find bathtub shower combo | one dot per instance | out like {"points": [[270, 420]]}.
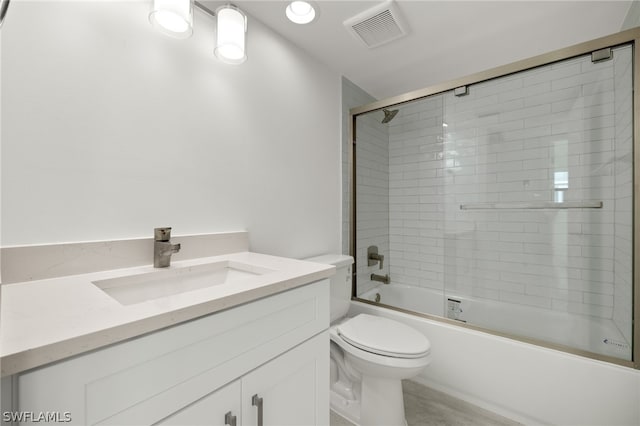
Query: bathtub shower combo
{"points": [[504, 201]]}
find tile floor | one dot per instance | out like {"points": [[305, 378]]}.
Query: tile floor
{"points": [[427, 407]]}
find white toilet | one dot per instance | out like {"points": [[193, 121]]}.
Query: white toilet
{"points": [[370, 355]]}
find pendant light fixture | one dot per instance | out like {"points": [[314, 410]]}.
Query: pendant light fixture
{"points": [[173, 17], [230, 35]]}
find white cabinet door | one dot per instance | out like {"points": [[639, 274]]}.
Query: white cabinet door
{"points": [[219, 408], [293, 389]]}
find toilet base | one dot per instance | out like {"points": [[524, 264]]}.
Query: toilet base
{"points": [[383, 404], [349, 409]]}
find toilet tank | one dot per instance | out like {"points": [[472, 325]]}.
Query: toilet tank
{"points": [[340, 282]]}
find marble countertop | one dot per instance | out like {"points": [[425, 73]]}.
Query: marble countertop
{"points": [[51, 319]]}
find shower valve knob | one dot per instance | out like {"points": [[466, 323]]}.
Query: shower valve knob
{"points": [[373, 257]]}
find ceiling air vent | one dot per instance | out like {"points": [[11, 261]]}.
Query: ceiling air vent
{"points": [[378, 25]]}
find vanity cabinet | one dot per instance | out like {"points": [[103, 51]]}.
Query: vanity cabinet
{"points": [[284, 392], [271, 354]]}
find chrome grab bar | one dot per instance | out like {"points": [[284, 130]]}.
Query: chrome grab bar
{"points": [[534, 205]]}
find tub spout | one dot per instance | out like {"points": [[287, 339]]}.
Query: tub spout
{"points": [[382, 278]]}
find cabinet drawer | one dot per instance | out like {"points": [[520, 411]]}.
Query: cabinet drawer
{"points": [[192, 358]]}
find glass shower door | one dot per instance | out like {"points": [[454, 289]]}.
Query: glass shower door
{"points": [[507, 205], [537, 176]]}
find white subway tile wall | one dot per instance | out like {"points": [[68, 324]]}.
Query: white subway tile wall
{"points": [[561, 132], [416, 194], [372, 198]]}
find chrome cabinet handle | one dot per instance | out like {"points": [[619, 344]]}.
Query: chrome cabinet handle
{"points": [[230, 419], [257, 402]]}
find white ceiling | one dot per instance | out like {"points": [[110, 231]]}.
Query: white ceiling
{"points": [[447, 39]]}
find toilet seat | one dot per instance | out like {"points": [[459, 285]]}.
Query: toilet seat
{"points": [[384, 337]]}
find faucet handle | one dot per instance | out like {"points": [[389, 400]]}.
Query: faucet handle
{"points": [[374, 257], [162, 234]]}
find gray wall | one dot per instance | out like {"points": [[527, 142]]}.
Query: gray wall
{"points": [[352, 96], [632, 19]]}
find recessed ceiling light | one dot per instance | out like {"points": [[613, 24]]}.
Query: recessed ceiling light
{"points": [[301, 12]]}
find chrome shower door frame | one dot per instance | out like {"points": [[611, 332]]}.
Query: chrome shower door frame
{"points": [[631, 37]]}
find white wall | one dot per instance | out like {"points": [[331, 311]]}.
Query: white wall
{"points": [[110, 129]]}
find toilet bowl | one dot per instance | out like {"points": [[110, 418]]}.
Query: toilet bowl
{"points": [[370, 356], [379, 353]]}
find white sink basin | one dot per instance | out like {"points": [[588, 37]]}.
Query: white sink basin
{"points": [[139, 288]]}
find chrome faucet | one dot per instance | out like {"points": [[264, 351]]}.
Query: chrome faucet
{"points": [[162, 247]]}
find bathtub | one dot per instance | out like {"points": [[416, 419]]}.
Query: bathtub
{"points": [[525, 382], [592, 334]]}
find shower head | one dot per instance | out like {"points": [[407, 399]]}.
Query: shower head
{"points": [[388, 115]]}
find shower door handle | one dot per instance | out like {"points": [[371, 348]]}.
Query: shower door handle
{"points": [[256, 401]]}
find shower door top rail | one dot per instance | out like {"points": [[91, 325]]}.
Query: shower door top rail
{"points": [[612, 40], [534, 205]]}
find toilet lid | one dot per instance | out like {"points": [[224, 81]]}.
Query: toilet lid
{"points": [[384, 337]]}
